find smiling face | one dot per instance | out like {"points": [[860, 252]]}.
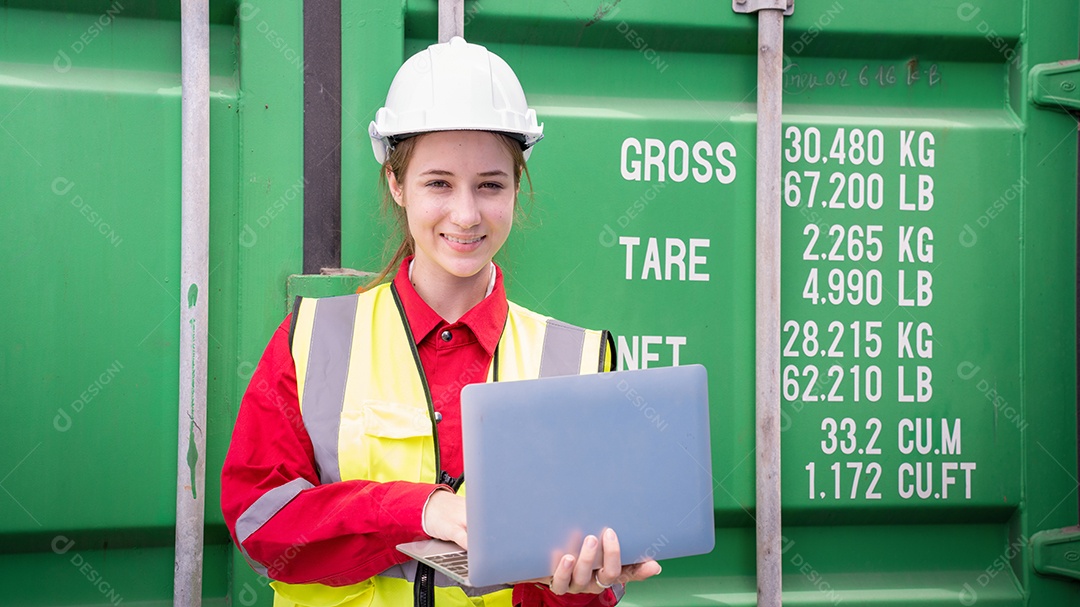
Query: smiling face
{"points": [[458, 193]]}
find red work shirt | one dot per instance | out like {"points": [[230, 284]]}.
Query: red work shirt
{"points": [[346, 532]]}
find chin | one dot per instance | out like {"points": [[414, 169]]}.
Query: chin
{"points": [[468, 272], [464, 268]]}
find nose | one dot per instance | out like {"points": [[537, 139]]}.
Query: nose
{"points": [[464, 210]]}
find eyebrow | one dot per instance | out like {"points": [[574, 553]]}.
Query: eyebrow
{"points": [[494, 173]]}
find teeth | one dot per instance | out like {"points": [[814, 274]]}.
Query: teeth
{"points": [[463, 241]]}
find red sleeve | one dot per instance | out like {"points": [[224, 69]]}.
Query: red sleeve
{"points": [[303, 532], [538, 595]]}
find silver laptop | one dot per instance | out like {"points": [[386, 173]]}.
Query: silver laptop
{"points": [[549, 461]]}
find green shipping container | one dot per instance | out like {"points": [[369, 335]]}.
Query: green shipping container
{"points": [[929, 412]]}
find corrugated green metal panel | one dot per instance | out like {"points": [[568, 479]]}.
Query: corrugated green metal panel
{"points": [[221, 11], [91, 114], [96, 202], [269, 224], [1049, 236], [84, 574], [949, 77], [703, 25], [936, 330], [372, 48]]}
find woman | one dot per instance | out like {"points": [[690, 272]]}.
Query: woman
{"points": [[348, 440]]}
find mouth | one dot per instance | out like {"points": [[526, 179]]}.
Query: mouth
{"points": [[463, 241]]}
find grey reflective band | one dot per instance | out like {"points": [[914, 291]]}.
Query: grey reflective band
{"points": [[561, 354], [256, 565], [407, 571], [264, 508], [324, 383]]}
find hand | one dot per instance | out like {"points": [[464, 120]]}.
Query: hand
{"points": [[444, 518], [575, 574]]}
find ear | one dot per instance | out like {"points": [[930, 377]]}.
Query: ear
{"points": [[396, 190]]}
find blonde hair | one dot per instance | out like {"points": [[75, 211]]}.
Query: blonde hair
{"points": [[397, 162]]}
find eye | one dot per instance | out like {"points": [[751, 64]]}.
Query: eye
{"points": [[437, 183], [492, 185]]}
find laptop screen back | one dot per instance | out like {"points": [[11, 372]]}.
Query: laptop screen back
{"points": [[552, 460]]}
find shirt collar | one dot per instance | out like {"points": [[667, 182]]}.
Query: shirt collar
{"points": [[486, 319]]}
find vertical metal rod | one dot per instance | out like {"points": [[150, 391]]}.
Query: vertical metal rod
{"points": [[769, 107], [194, 274], [451, 19]]}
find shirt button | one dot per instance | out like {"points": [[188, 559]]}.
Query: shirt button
{"points": [[446, 335]]}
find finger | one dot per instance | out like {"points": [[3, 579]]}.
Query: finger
{"points": [[640, 571], [608, 574], [583, 571], [461, 538], [560, 580]]}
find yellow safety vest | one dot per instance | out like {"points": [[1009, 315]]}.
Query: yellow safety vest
{"points": [[366, 405]]}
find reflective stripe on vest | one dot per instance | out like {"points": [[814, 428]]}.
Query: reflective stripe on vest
{"points": [[366, 408], [332, 330], [264, 508]]}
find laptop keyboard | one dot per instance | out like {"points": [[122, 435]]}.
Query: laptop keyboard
{"points": [[458, 562]]}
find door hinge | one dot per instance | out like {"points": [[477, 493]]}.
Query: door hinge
{"points": [[1056, 85], [1057, 552], [753, 6]]}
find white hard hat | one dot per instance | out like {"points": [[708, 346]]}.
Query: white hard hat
{"points": [[454, 86]]}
